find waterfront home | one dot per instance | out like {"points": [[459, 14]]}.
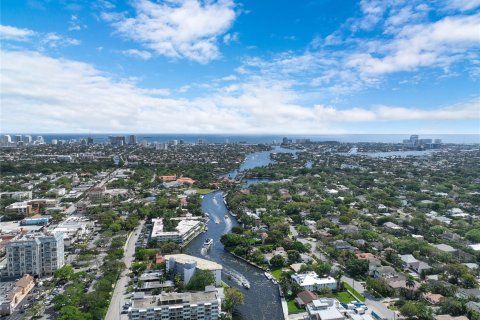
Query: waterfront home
{"points": [[326, 308], [305, 297], [311, 281]]}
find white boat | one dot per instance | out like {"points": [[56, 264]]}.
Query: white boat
{"points": [[246, 285], [227, 217], [206, 214], [207, 243], [268, 276]]}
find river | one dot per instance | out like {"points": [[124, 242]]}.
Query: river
{"points": [[262, 300]]}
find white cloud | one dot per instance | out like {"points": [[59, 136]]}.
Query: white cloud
{"points": [[177, 29], [13, 33], [461, 111], [49, 39], [55, 40], [43, 94], [142, 54], [436, 44], [230, 37], [463, 5], [74, 24]]}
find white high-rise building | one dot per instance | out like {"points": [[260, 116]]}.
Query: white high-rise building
{"points": [[27, 139], [7, 139], [39, 140], [38, 255]]}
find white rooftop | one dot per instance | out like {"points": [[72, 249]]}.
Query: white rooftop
{"points": [[311, 279], [202, 264]]}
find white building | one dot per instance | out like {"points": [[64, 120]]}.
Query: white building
{"points": [[38, 255], [186, 266], [17, 195], [312, 282], [173, 305], [186, 228], [326, 309]]}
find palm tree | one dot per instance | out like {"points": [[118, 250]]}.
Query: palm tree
{"points": [[410, 283], [338, 276]]}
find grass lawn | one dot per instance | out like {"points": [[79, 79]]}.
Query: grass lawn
{"points": [[203, 191], [276, 273], [344, 297], [354, 292], [292, 307]]}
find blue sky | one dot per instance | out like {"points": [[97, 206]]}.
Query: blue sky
{"points": [[324, 66]]}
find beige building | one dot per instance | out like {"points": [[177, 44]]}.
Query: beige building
{"points": [[19, 291]]}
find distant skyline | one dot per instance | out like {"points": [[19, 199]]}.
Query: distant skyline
{"points": [[240, 67]]}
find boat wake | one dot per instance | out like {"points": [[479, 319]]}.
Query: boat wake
{"points": [[236, 276]]}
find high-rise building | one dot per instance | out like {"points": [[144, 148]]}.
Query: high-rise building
{"points": [[39, 140], [89, 140], [18, 138], [117, 140], [132, 139], [27, 139], [38, 255], [54, 141], [7, 139], [414, 140]]}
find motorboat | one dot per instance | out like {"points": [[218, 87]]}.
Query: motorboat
{"points": [[208, 243], [268, 276], [246, 285]]}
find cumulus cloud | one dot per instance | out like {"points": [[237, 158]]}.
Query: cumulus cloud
{"points": [[177, 29], [435, 44], [55, 40], [44, 94], [461, 111], [13, 33], [142, 54], [43, 40]]}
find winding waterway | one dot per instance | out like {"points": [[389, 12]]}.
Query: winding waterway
{"points": [[262, 300]]}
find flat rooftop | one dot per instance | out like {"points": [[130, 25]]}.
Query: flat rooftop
{"points": [[14, 226], [174, 298], [183, 227], [202, 264]]}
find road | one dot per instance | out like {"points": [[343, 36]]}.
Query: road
{"points": [[115, 307], [372, 303]]}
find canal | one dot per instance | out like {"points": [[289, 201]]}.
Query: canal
{"points": [[262, 300]]}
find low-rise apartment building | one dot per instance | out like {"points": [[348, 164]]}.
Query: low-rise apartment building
{"points": [[186, 228], [173, 305]]}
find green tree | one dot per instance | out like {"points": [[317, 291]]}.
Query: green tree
{"points": [[65, 273], [73, 313], [416, 310], [473, 235], [277, 261], [356, 267], [200, 280], [233, 298], [452, 307]]}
